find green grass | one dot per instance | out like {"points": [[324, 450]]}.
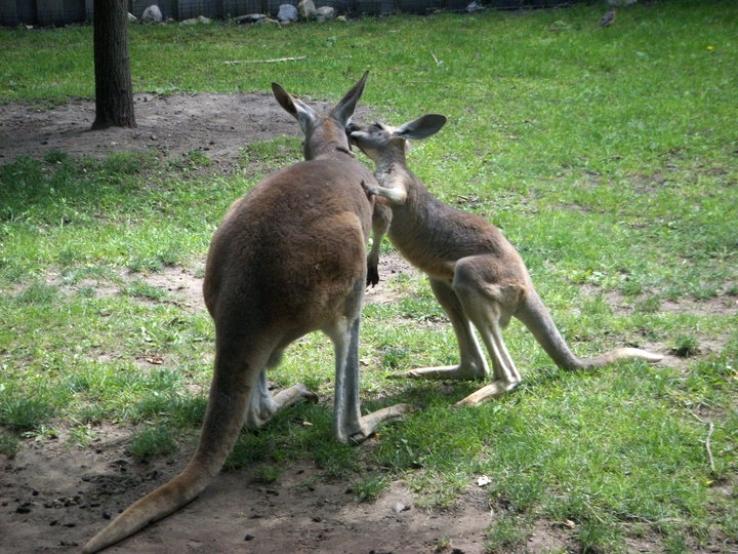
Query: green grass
{"points": [[152, 442], [606, 156]]}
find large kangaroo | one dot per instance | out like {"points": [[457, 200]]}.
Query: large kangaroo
{"points": [[288, 259], [476, 274]]}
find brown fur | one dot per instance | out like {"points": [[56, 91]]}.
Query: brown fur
{"points": [[288, 259], [476, 274]]}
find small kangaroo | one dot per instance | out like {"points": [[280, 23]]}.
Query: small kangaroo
{"points": [[289, 258], [476, 274]]}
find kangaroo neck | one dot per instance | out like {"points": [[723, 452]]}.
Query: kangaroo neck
{"points": [[416, 213], [332, 151]]}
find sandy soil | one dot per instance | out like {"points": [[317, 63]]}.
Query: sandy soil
{"points": [[55, 496], [217, 124]]}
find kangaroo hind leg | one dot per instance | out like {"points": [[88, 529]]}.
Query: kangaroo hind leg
{"points": [[472, 364], [348, 423], [489, 308]]}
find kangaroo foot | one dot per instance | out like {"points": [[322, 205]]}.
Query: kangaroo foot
{"points": [[264, 406], [293, 395], [457, 372], [493, 390], [370, 422]]}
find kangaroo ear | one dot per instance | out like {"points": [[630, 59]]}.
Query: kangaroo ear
{"points": [[422, 127], [303, 113], [345, 108]]}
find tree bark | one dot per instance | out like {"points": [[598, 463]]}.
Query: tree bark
{"points": [[113, 89]]}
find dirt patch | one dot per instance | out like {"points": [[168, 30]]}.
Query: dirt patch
{"points": [[549, 536], [184, 286], [720, 305], [217, 124], [56, 496], [391, 266]]}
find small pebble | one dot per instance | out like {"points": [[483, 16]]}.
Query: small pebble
{"points": [[248, 537]]}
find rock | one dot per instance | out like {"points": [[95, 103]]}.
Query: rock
{"points": [[342, 18], [306, 8], [132, 18], [268, 21], [325, 13], [152, 14], [195, 20], [249, 18], [474, 7], [287, 13], [400, 507]]}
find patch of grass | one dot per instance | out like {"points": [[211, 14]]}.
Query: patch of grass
{"points": [[192, 160], [82, 435], [272, 154], [685, 346], [152, 442], [24, 414], [9, 445], [267, 474], [142, 289], [56, 157], [190, 411], [38, 293], [649, 305], [506, 534], [369, 488], [597, 537]]}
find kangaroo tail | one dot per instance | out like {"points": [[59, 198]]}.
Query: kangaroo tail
{"points": [[534, 314], [229, 396]]}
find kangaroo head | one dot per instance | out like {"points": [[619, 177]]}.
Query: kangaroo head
{"points": [[324, 133], [382, 142]]}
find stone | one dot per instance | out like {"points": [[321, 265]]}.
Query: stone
{"points": [[306, 8], [287, 13], [249, 18], [152, 14], [132, 18], [200, 19], [325, 13], [342, 18], [473, 7]]}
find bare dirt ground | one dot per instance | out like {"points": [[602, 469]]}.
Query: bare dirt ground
{"points": [[55, 496], [218, 124]]}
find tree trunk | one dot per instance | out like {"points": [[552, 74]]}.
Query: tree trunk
{"points": [[113, 89]]}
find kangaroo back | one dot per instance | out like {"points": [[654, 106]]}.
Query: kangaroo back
{"points": [[285, 261]]}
